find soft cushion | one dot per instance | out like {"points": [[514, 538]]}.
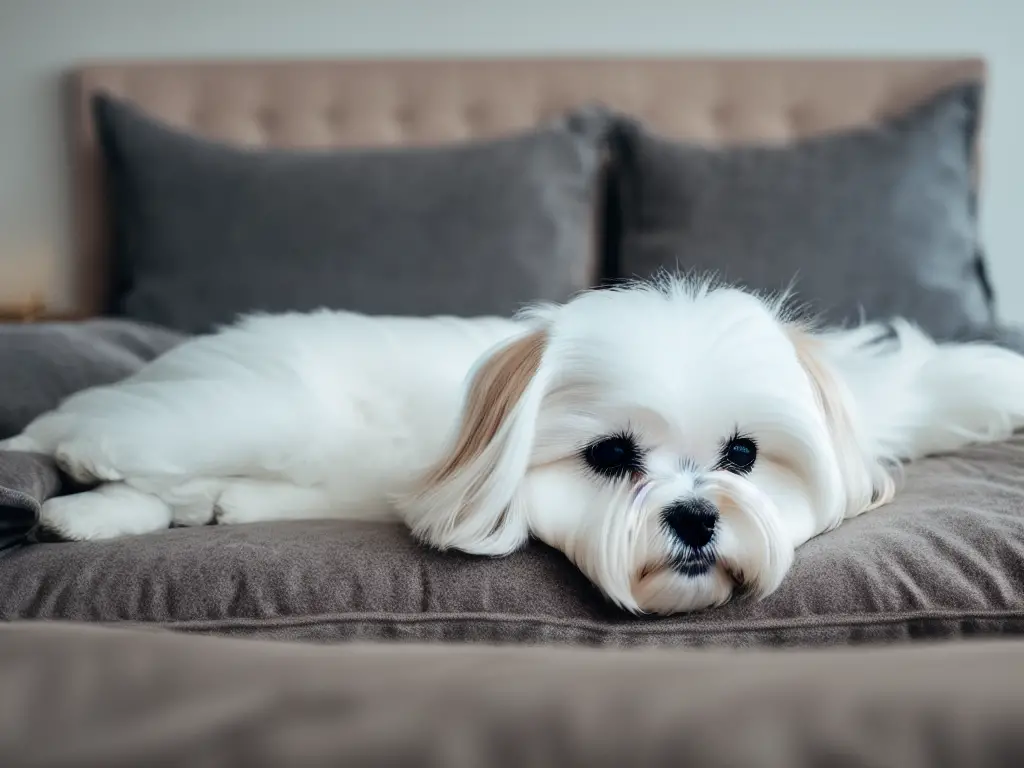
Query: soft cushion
{"points": [[206, 231], [945, 559], [873, 222]]}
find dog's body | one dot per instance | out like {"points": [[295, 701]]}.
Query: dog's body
{"points": [[266, 412], [676, 441]]}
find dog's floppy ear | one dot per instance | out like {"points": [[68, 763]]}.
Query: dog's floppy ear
{"points": [[867, 483], [467, 501]]}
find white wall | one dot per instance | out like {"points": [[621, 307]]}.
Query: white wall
{"points": [[40, 38]]}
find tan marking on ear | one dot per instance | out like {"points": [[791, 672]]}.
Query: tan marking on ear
{"points": [[495, 390], [825, 387], [840, 424]]}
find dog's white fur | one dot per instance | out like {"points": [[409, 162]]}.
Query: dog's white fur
{"points": [[473, 431]]}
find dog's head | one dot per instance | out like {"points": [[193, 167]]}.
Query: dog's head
{"points": [[677, 441]]}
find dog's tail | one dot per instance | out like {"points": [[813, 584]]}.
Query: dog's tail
{"points": [[913, 397]]}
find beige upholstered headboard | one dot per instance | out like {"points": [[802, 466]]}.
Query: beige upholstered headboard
{"points": [[387, 102]]}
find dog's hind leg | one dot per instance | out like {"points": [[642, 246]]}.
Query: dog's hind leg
{"points": [[170, 430], [253, 501], [250, 501]]}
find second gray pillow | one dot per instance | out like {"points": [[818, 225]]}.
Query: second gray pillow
{"points": [[877, 222]]}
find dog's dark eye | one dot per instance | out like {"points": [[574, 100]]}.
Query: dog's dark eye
{"points": [[616, 456], [739, 454]]}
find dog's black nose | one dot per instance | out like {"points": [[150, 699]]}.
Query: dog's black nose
{"points": [[693, 521]]}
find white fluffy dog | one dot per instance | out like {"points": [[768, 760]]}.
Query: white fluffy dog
{"points": [[676, 440]]}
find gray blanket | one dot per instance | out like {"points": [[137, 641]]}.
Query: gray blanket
{"points": [[42, 364]]}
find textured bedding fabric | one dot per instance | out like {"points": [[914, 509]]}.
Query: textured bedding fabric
{"points": [[946, 559], [77, 696], [872, 222], [206, 231]]}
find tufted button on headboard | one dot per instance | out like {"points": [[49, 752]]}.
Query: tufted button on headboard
{"points": [[348, 103]]}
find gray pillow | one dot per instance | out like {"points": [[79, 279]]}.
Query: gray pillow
{"points": [[205, 231], [871, 222]]}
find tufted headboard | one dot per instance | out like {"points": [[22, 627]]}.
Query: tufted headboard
{"points": [[388, 102]]}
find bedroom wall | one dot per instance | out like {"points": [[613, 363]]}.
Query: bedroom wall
{"points": [[40, 38]]}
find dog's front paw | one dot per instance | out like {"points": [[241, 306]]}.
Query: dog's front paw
{"points": [[254, 501], [109, 512]]}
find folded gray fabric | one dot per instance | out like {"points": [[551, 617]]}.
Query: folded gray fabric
{"points": [[26, 481]]}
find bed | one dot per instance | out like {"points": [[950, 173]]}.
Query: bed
{"points": [[892, 641]]}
